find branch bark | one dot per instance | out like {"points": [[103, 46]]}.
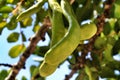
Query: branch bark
{"points": [[29, 50]]}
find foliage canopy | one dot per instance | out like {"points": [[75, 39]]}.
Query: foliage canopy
{"points": [[100, 47]]}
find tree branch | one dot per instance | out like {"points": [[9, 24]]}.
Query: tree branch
{"points": [[33, 42]]}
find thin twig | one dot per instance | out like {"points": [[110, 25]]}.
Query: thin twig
{"points": [[33, 42], [8, 65]]}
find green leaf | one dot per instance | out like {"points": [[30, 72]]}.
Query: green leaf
{"points": [[112, 22], [117, 26], [12, 24], [82, 12], [115, 10], [107, 28], [36, 28], [23, 36], [24, 78], [116, 47], [82, 76], [107, 72], [113, 78], [32, 68], [100, 42], [35, 72], [111, 40], [2, 3], [117, 1], [27, 21], [108, 53], [13, 37], [3, 74], [96, 60], [72, 60], [2, 25], [22, 25], [5, 15], [81, 1], [10, 1], [96, 2], [16, 50], [1, 18], [41, 15], [89, 73], [6, 9], [15, 1], [41, 50], [115, 65]]}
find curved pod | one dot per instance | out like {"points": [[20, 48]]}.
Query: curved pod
{"points": [[47, 69], [58, 29], [33, 9], [69, 42]]}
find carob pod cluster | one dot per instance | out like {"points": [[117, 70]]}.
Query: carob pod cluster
{"points": [[65, 43]]}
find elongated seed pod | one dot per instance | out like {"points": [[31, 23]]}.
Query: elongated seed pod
{"points": [[58, 29], [33, 9], [58, 32], [69, 42], [61, 50], [47, 69], [87, 31], [55, 5]]}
